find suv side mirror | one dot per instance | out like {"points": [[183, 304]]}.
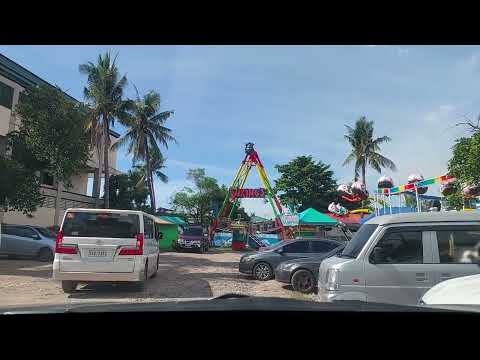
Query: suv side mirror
{"points": [[377, 255], [160, 235]]}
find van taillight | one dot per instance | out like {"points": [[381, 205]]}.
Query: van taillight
{"points": [[137, 250], [63, 249]]}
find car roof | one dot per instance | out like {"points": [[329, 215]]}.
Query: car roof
{"points": [[107, 210], [440, 216]]}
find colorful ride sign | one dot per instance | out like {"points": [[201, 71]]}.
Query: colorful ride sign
{"points": [[289, 219], [247, 193]]}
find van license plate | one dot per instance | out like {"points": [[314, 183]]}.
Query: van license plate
{"points": [[97, 253]]}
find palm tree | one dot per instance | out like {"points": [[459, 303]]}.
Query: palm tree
{"points": [[104, 95], [365, 149], [145, 133], [157, 162]]}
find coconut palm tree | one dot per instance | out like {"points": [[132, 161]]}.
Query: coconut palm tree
{"points": [[157, 164], [366, 149], [146, 131], [104, 95]]}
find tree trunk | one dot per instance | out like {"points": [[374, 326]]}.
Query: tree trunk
{"points": [[106, 148], [149, 176], [58, 198], [363, 173], [98, 175]]}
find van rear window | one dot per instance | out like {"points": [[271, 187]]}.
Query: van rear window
{"points": [[93, 224]]}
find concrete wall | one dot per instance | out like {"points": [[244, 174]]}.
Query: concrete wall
{"points": [[80, 183], [41, 217]]}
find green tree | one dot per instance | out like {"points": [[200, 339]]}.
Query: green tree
{"points": [[305, 183], [465, 166], [53, 131], [199, 202], [51, 137], [104, 95], [145, 132], [366, 149], [128, 191]]}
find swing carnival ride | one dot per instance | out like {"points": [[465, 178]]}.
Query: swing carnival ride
{"points": [[236, 192], [415, 189]]}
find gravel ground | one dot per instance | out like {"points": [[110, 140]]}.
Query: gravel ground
{"points": [[180, 276]]}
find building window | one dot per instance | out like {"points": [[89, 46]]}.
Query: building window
{"points": [[6, 95], [46, 178]]}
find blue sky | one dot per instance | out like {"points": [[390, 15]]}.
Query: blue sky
{"points": [[288, 100]]}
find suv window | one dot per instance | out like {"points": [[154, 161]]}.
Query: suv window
{"points": [[401, 247], [457, 247], [97, 224], [297, 247], [147, 228], [322, 246]]}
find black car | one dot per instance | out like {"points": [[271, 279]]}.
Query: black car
{"points": [[261, 264], [302, 273]]}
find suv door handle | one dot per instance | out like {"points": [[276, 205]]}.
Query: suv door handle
{"points": [[421, 276]]}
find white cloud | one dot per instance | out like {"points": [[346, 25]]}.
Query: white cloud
{"points": [[164, 192]]}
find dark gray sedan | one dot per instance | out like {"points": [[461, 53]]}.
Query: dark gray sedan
{"points": [[302, 273], [261, 264]]}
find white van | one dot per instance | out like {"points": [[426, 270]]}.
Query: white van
{"points": [[105, 245], [397, 258]]}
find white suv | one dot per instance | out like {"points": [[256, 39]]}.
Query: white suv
{"points": [[105, 245]]}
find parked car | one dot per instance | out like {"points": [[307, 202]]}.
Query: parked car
{"points": [[302, 273], [261, 264], [193, 237], [105, 245], [397, 258], [25, 240]]}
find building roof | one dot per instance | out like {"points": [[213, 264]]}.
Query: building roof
{"points": [[259, 219], [422, 217], [311, 216], [25, 78]]}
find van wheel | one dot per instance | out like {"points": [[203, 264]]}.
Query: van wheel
{"points": [[45, 255], [156, 270], [69, 287]]}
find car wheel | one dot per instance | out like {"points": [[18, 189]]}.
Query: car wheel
{"points": [[45, 255], [156, 270], [303, 281], [69, 287], [262, 271]]}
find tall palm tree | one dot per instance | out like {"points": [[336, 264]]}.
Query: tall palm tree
{"points": [[145, 132], [366, 149], [104, 95], [157, 164]]}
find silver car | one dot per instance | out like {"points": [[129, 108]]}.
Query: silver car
{"points": [[397, 258], [29, 241]]}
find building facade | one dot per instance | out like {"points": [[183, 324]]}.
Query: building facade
{"points": [[14, 79]]}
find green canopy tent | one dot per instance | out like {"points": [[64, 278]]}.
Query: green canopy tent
{"points": [[170, 230], [312, 218]]}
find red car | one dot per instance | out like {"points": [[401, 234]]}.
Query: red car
{"points": [[193, 237]]}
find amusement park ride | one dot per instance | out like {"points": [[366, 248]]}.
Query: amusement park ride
{"points": [[236, 191]]}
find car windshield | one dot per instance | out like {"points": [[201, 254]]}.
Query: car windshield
{"points": [[193, 231], [360, 238], [170, 172]]}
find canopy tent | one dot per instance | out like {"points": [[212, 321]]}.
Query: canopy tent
{"points": [[311, 216], [173, 219]]}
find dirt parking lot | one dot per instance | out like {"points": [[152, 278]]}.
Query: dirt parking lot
{"points": [[180, 276]]}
